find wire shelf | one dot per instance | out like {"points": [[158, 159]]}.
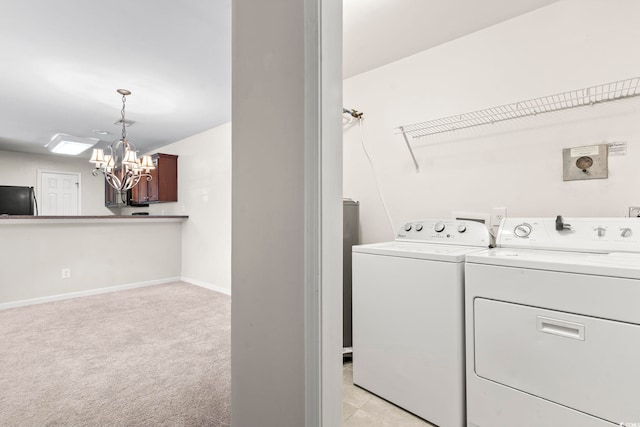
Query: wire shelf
{"points": [[576, 98], [561, 101]]}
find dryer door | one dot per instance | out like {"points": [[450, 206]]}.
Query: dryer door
{"points": [[585, 363]]}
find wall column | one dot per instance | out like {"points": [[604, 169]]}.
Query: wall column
{"points": [[286, 213]]}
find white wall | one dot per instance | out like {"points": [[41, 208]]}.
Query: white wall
{"points": [[286, 251], [197, 250], [21, 169], [204, 194], [518, 164], [268, 260]]}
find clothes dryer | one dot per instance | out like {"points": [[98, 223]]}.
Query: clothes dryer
{"points": [[553, 325], [408, 325]]}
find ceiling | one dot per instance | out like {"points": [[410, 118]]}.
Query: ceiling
{"points": [[378, 32], [64, 60]]}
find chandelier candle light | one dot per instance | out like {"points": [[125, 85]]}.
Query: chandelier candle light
{"points": [[121, 167]]}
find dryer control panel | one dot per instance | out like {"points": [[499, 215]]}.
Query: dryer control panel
{"points": [[571, 234], [445, 231]]}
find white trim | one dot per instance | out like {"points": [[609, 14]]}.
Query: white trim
{"points": [[39, 184], [206, 285], [330, 250], [323, 213], [89, 292]]}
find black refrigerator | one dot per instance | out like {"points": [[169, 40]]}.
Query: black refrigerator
{"points": [[351, 237]]}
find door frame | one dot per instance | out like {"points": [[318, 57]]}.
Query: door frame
{"points": [[39, 185]]}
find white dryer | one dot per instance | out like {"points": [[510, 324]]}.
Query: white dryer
{"points": [[408, 317], [553, 325]]}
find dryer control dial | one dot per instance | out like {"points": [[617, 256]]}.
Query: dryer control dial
{"points": [[522, 230], [418, 227], [600, 231], [462, 228], [439, 227], [407, 227], [625, 232]]}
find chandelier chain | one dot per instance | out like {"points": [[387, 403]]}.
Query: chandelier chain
{"points": [[124, 127]]}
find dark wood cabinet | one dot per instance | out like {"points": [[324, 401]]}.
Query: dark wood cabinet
{"points": [[163, 186]]}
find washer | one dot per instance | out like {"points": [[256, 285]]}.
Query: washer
{"points": [[408, 325], [553, 325]]}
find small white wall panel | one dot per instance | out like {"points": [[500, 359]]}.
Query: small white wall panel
{"points": [[51, 205]]}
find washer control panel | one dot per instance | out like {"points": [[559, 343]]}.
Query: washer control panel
{"points": [[522, 230], [446, 231], [573, 234]]}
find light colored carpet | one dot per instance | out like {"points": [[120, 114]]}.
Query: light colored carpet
{"points": [[154, 356]]}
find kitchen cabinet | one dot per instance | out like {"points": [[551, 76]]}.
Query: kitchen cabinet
{"points": [[163, 186]]}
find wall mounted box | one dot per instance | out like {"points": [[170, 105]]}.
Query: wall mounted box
{"points": [[590, 162]]}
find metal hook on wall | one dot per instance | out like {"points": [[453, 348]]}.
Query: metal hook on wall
{"points": [[352, 112]]}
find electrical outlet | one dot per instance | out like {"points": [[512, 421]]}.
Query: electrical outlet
{"points": [[634, 212], [66, 273], [497, 215]]}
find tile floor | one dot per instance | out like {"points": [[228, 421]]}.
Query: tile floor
{"points": [[362, 409]]}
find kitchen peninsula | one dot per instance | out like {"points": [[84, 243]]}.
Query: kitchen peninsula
{"points": [[94, 254]]}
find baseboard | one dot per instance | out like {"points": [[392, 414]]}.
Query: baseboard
{"points": [[89, 292], [206, 285]]}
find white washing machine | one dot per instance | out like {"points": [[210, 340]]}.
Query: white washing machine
{"points": [[553, 325], [408, 317]]}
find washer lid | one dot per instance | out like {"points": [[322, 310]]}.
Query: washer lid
{"points": [[434, 252], [615, 264]]}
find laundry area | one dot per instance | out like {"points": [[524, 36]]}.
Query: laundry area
{"points": [[494, 277]]}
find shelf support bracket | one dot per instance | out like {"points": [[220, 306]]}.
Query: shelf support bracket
{"points": [[413, 157]]}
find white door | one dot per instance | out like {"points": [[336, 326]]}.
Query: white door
{"points": [[59, 193], [534, 350]]}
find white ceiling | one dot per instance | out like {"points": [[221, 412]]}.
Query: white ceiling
{"points": [[63, 60], [378, 32]]}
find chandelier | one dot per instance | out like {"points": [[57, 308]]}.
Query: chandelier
{"points": [[120, 164]]}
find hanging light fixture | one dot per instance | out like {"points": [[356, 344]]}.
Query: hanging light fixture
{"points": [[120, 165]]}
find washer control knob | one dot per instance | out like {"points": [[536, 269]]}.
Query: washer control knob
{"points": [[407, 227], [601, 231], [522, 230], [462, 228], [625, 232], [439, 227], [418, 227]]}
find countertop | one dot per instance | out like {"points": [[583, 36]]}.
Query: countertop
{"points": [[28, 219]]}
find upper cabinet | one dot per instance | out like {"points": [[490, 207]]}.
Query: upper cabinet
{"points": [[163, 186]]}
